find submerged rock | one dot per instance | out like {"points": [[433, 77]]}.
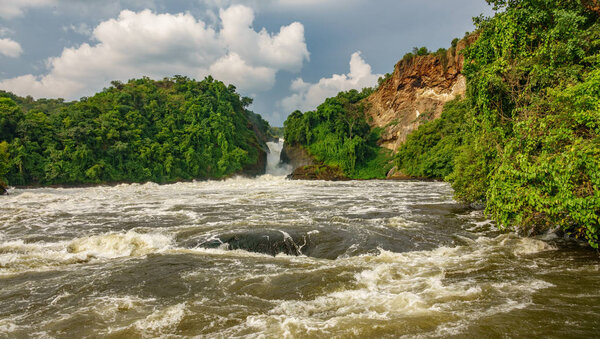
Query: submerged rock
{"points": [[318, 172]]}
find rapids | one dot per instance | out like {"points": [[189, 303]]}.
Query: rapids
{"points": [[277, 258]]}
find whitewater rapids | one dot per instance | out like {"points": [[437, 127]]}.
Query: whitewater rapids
{"points": [[269, 257]]}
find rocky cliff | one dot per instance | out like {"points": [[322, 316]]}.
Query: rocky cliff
{"points": [[416, 92], [296, 156]]}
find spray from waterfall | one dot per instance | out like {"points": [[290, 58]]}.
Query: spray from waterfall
{"points": [[274, 165]]}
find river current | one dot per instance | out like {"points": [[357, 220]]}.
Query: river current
{"points": [[270, 257]]}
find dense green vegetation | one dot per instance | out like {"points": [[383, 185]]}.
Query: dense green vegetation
{"points": [[527, 142], [338, 135], [143, 130], [276, 132], [429, 151]]}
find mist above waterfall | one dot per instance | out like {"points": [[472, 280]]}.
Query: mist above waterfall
{"points": [[274, 165]]}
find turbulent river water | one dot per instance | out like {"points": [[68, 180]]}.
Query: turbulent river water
{"points": [[277, 258]]}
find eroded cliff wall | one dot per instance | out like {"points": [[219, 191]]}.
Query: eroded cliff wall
{"points": [[416, 92]]}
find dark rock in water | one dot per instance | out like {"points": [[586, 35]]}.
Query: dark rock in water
{"points": [[261, 241], [295, 155], [3, 190], [318, 172]]}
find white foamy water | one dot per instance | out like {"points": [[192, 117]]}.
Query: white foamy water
{"points": [[269, 257], [274, 166]]}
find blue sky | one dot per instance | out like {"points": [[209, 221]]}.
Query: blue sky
{"points": [[286, 54]]}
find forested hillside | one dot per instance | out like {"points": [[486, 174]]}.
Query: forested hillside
{"points": [[526, 138], [338, 135], [143, 130]]}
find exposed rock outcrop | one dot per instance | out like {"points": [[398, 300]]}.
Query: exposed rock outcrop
{"points": [[416, 92], [296, 156], [270, 242], [318, 172]]}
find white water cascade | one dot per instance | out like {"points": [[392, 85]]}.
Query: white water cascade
{"points": [[274, 165]]}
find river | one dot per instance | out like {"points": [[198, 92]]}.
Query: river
{"points": [[278, 258]]}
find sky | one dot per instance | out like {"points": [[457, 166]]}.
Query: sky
{"points": [[285, 54]]}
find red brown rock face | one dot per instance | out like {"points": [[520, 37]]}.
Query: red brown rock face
{"points": [[415, 93]]}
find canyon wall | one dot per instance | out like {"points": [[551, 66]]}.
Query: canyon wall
{"points": [[416, 92]]}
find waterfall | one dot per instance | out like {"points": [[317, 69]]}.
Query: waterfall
{"points": [[274, 166]]}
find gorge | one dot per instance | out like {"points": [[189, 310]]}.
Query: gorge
{"points": [[457, 198]]}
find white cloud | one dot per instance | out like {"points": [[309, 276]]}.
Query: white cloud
{"points": [[14, 8], [280, 51], [307, 96], [10, 48], [159, 45], [233, 69]]}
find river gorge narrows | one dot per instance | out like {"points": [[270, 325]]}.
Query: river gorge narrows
{"points": [[281, 258]]}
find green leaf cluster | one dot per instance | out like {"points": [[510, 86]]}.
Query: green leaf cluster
{"points": [[429, 151], [338, 135], [142, 130]]}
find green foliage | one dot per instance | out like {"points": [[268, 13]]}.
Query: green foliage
{"points": [[529, 147], [455, 42], [420, 51], [442, 55], [429, 151], [532, 81], [143, 130], [276, 132], [408, 57], [549, 173], [338, 135], [383, 79], [4, 162]]}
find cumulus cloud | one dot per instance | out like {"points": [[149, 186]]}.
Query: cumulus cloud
{"points": [[14, 8], [157, 45], [280, 51], [307, 96], [10, 48]]}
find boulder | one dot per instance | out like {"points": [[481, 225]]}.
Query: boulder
{"points": [[269, 242]]}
